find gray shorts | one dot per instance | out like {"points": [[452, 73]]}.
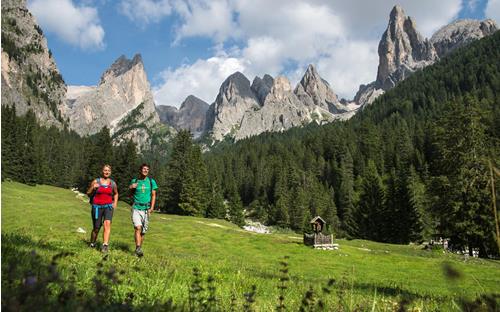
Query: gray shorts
{"points": [[140, 218]]}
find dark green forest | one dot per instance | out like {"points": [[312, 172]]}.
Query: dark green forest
{"points": [[411, 166]]}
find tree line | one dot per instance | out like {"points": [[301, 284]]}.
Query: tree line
{"points": [[35, 154]]}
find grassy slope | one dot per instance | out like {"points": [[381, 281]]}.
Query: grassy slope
{"points": [[45, 219]]}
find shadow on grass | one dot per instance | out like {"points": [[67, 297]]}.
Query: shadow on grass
{"points": [[16, 240], [391, 291], [32, 282], [122, 246]]}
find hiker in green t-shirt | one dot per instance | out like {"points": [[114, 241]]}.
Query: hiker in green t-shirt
{"points": [[144, 196]]}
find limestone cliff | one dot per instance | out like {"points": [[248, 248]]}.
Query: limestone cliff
{"points": [[122, 101], [30, 77]]}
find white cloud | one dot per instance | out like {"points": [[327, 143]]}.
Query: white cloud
{"points": [[471, 4], [76, 25], [368, 19], [284, 36], [202, 79], [264, 55], [493, 10], [206, 18], [350, 64], [431, 15], [144, 12]]}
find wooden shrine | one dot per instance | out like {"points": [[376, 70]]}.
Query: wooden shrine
{"points": [[317, 239]]}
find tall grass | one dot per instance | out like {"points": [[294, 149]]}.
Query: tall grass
{"points": [[47, 265]]}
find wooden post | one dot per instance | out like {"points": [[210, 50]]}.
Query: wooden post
{"points": [[494, 200]]}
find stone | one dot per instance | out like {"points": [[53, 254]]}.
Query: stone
{"points": [[235, 98], [312, 90], [460, 33], [30, 77], [190, 116], [122, 101], [403, 50]]}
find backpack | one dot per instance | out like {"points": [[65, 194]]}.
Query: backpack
{"points": [[91, 197]]}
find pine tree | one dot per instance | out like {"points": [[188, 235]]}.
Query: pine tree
{"points": [[235, 207], [99, 151], [298, 207], [417, 205], [281, 215], [465, 214], [28, 149], [216, 207], [186, 181], [10, 160], [330, 214], [125, 168], [372, 205], [346, 197]]}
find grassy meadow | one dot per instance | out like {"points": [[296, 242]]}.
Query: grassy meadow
{"points": [[39, 222]]}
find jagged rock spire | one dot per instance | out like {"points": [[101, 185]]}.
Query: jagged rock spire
{"points": [[401, 50], [314, 90], [121, 66]]}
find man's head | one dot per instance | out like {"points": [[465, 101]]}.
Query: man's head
{"points": [[144, 170]]}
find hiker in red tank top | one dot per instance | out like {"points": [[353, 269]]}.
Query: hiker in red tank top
{"points": [[103, 195]]}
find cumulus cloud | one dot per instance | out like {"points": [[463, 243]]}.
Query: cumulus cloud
{"points": [[76, 25], [264, 55], [350, 64], [206, 18], [284, 36], [144, 12], [493, 10], [431, 15], [202, 79], [368, 19]]}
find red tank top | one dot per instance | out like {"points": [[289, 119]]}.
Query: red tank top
{"points": [[104, 194]]}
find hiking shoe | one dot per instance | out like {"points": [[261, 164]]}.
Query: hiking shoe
{"points": [[105, 248], [92, 245], [139, 252]]}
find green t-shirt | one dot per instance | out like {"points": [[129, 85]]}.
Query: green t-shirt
{"points": [[142, 194]]}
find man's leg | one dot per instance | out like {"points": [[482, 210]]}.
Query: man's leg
{"points": [[138, 236], [138, 241]]}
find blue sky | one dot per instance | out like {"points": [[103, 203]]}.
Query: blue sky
{"points": [[191, 46]]}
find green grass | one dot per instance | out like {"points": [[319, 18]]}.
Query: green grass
{"points": [[45, 219]]}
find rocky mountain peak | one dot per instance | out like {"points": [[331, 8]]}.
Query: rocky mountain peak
{"points": [[30, 77], [397, 13], [401, 50], [460, 33], [236, 85], [191, 115], [192, 102], [313, 90], [121, 66], [262, 86], [235, 98], [122, 100], [281, 88]]}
